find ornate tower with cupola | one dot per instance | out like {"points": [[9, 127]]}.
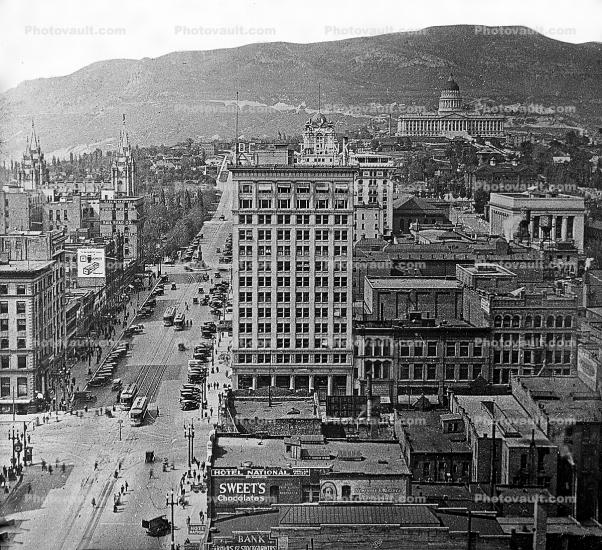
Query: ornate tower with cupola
{"points": [[123, 168], [320, 145]]}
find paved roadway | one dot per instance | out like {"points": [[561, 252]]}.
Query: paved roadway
{"points": [[66, 519]]}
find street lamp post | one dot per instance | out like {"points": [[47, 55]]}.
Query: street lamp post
{"points": [[169, 501], [189, 435]]}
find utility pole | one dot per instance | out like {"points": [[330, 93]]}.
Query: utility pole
{"points": [[169, 501], [493, 462]]}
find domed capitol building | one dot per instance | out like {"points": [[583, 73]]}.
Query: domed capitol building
{"points": [[451, 120]]}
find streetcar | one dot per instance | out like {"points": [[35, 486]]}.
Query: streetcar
{"points": [[179, 321], [128, 395], [168, 316], [138, 411]]}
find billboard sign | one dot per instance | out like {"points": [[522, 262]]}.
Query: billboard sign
{"points": [[91, 263]]}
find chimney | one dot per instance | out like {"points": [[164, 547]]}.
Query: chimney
{"points": [[540, 525]]}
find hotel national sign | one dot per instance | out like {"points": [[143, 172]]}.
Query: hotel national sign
{"points": [[259, 472]]}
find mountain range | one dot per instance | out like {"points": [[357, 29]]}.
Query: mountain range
{"points": [[191, 94]]}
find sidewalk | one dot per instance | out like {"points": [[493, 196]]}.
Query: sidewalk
{"points": [[79, 370]]}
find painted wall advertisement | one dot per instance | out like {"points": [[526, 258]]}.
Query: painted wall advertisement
{"points": [[257, 487], [90, 263], [390, 489]]}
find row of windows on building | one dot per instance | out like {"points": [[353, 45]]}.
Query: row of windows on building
{"points": [[533, 321], [301, 188], [286, 312], [298, 219], [284, 297], [5, 389], [284, 235], [338, 342], [5, 361], [300, 250], [19, 290], [285, 328], [383, 370], [57, 215], [287, 358], [20, 325], [420, 348], [298, 204], [266, 280]]}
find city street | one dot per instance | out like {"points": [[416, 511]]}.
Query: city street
{"points": [[95, 447]]}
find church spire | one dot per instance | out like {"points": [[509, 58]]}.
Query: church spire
{"points": [[124, 139]]}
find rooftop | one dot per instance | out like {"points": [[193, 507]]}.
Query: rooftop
{"points": [[372, 458], [392, 283], [425, 433], [566, 397], [259, 408], [513, 423], [25, 266], [358, 514]]}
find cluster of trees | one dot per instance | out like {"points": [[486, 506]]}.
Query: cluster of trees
{"points": [[173, 219]]}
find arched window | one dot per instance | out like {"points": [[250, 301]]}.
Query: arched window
{"points": [[377, 348], [386, 369], [515, 321], [386, 347], [550, 321], [568, 321], [377, 369], [528, 321], [507, 321], [537, 321], [367, 368], [497, 322], [559, 321]]}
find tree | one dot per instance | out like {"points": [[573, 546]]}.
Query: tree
{"points": [[481, 198]]}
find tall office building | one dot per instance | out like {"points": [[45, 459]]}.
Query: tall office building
{"points": [[291, 277]]}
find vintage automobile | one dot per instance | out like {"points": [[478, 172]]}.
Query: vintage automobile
{"points": [[157, 527]]}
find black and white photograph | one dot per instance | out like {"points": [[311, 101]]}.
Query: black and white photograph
{"points": [[300, 275]]}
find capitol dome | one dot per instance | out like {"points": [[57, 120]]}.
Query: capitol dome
{"points": [[451, 85]]}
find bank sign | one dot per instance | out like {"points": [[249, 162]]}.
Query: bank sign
{"points": [[247, 541]]}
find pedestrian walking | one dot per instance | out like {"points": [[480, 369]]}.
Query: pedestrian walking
{"points": [[150, 474], [122, 489], [63, 468], [96, 465], [93, 502], [126, 486], [29, 488], [50, 469]]}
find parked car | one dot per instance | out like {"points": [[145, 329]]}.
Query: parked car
{"points": [[189, 405]]}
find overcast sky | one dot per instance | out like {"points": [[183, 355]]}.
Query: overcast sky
{"points": [[36, 37]]}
